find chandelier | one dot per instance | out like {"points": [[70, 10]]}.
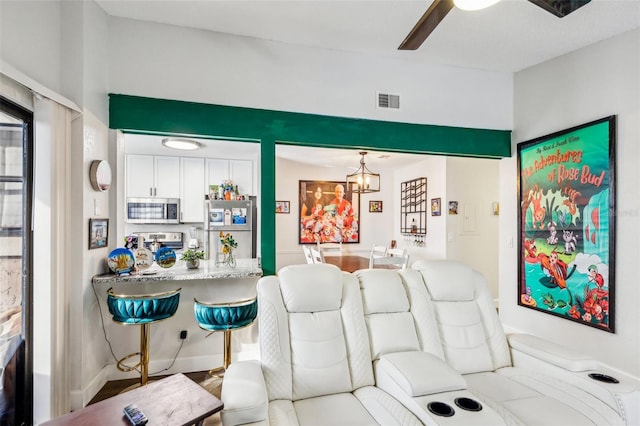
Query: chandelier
{"points": [[363, 181]]}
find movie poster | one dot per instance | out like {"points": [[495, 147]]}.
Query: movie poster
{"points": [[567, 224]]}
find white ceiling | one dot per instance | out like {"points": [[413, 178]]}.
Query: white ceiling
{"points": [[509, 36]]}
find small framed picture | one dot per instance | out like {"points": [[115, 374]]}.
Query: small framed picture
{"points": [[375, 206], [98, 233], [282, 207], [453, 207], [435, 207]]}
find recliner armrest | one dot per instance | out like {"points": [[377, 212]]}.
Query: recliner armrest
{"points": [[419, 373], [244, 394], [558, 355]]}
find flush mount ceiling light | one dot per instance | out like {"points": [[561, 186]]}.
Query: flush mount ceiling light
{"points": [[363, 181], [181, 143], [474, 4]]}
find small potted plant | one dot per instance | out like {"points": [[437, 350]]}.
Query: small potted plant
{"points": [[192, 258]]}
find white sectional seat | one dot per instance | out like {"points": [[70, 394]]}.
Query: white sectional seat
{"points": [[408, 347], [315, 366], [407, 355], [475, 345]]}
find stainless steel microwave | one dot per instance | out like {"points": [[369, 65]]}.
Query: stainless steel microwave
{"points": [[153, 210]]}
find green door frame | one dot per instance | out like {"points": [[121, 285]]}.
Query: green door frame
{"points": [[134, 114]]}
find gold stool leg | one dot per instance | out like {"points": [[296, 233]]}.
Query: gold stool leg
{"points": [[219, 371], [227, 349], [144, 352]]}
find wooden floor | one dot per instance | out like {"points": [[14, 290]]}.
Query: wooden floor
{"points": [[212, 384]]}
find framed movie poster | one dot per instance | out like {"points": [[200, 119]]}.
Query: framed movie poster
{"points": [[329, 212], [566, 228]]}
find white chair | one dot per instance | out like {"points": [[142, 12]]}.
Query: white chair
{"points": [[307, 254], [330, 249], [378, 251], [316, 255], [394, 257]]}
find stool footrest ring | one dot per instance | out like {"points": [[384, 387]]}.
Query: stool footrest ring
{"points": [[126, 368]]}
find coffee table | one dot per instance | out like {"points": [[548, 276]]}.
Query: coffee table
{"points": [[174, 400]]}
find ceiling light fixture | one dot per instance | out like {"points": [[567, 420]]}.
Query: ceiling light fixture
{"points": [[181, 143], [474, 4], [363, 181]]}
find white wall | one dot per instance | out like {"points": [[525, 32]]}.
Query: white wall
{"points": [[472, 234], [169, 62], [594, 82]]}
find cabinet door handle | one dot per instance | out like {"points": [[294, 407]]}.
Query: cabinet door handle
{"points": [[151, 191]]}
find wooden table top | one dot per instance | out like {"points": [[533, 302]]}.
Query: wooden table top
{"points": [[174, 400], [351, 263]]}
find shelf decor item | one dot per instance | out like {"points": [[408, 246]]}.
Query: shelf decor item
{"points": [[121, 261], [566, 224], [228, 245], [192, 258], [166, 257]]}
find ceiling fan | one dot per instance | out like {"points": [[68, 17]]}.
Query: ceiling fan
{"points": [[439, 9]]}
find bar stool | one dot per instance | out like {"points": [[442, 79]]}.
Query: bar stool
{"points": [[142, 310], [225, 317]]}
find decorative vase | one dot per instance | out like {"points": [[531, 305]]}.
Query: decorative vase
{"points": [[229, 259], [193, 264]]}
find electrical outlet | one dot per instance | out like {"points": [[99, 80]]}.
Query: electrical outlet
{"points": [[183, 334]]}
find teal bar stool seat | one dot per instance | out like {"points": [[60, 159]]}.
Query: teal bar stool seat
{"points": [[142, 310], [225, 317]]}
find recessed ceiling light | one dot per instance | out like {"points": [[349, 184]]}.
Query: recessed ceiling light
{"points": [[181, 143]]}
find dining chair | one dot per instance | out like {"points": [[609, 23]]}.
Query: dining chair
{"points": [[330, 249], [394, 257], [307, 254], [317, 255], [378, 251]]}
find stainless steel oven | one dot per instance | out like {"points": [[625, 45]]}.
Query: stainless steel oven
{"points": [[153, 210]]}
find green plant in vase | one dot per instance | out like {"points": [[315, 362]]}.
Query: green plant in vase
{"points": [[228, 245], [192, 258]]}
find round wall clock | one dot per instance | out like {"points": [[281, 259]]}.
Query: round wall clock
{"points": [[100, 175]]}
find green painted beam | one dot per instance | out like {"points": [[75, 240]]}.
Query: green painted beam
{"points": [[135, 114]]}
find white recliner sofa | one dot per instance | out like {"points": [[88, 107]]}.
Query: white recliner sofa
{"points": [[535, 381], [417, 346], [315, 366]]}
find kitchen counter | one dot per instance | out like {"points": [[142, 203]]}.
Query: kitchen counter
{"points": [[208, 270]]}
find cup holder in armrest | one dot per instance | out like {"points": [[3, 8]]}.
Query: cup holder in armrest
{"points": [[603, 378], [440, 409], [468, 404]]}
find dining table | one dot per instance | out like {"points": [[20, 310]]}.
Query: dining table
{"points": [[351, 263]]}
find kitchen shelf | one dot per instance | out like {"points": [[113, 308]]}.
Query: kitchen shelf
{"points": [[413, 207]]}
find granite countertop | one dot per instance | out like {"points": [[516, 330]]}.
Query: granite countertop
{"points": [[207, 271]]}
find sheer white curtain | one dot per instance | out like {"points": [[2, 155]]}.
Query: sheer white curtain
{"points": [[51, 228]]}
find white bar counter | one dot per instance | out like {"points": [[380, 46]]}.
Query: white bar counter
{"points": [[208, 270]]}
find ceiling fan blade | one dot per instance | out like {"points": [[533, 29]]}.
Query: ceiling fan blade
{"points": [[560, 8], [429, 21]]}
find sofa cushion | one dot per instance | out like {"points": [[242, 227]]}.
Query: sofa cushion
{"points": [[336, 409], [420, 373], [311, 288], [382, 291], [447, 280], [391, 333], [318, 354]]}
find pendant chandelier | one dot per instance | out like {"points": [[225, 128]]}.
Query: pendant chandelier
{"points": [[363, 181]]}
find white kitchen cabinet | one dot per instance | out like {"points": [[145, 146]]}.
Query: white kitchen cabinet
{"points": [[240, 172], [192, 189], [152, 176]]}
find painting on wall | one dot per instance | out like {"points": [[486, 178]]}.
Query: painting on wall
{"points": [[566, 227], [98, 233], [329, 212]]}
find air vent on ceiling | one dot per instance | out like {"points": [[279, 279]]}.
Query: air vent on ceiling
{"points": [[388, 100]]}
